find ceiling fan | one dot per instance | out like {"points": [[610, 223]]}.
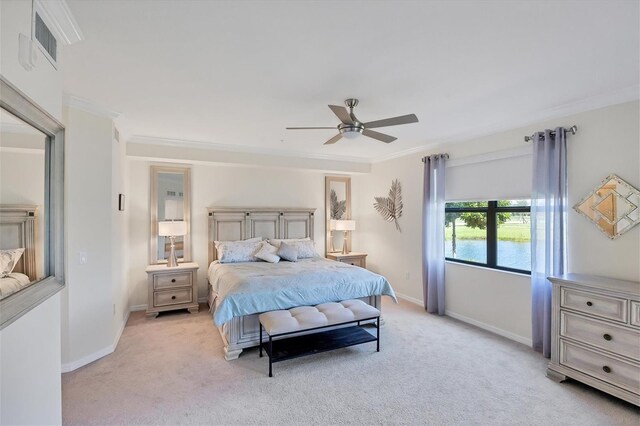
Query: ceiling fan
{"points": [[350, 127]]}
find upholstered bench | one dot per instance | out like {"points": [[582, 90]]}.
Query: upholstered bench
{"points": [[307, 327]]}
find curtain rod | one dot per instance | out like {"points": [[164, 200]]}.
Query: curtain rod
{"points": [[424, 159], [573, 129]]}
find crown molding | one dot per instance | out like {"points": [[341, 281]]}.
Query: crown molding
{"points": [[615, 97], [182, 143], [60, 20], [88, 106]]}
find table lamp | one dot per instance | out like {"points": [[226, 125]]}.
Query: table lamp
{"points": [[172, 229], [346, 226]]}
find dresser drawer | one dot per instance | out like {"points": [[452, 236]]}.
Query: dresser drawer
{"points": [[609, 307], [172, 297], [620, 340], [179, 279], [619, 373], [635, 313]]}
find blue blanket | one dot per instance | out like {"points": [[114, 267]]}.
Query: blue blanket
{"points": [[252, 287]]}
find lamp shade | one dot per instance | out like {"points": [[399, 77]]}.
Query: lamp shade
{"points": [[172, 229], [345, 225]]}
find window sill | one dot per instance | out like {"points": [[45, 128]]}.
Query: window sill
{"points": [[486, 268]]}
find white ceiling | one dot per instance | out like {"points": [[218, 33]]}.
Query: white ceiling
{"points": [[238, 73]]}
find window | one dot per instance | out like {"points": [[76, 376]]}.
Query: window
{"points": [[494, 234]]}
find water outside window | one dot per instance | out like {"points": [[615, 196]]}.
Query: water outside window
{"points": [[463, 240], [514, 242]]}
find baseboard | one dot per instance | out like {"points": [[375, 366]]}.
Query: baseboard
{"points": [[71, 366], [491, 328], [135, 308], [410, 299]]}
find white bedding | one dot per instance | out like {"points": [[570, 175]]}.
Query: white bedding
{"points": [[251, 287], [12, 282]]}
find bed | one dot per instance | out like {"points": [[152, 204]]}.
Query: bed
{"points": [[18, 229], [238, 292]]}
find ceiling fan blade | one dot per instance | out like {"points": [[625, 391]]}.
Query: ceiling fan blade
{"points": [[379, 136], [342, 113], [403, 119], [334, 139], [307, 128]]}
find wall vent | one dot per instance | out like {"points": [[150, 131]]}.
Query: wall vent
{"points": [[45, 38]]}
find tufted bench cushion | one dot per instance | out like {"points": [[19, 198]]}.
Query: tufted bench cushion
{"points": [[306, 317]]}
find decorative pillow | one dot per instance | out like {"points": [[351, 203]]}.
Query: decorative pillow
{"points": [[268, 253], [306, 249], [277, 242], [288, 252], [237, 251], [9, 259], [250, 240]]}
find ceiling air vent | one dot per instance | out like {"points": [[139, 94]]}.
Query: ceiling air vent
{"points": [[45, 38]]}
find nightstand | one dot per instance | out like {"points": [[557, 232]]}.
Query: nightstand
{"points": [[172, 288], [352, 258]]}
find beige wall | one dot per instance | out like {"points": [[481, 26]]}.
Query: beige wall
{"points": [[43, 83], [30, 375], [95, 300], [607, 142]]}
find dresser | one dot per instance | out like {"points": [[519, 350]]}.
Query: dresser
{"points": [[172, 288], [352, 258], [595, 333]]}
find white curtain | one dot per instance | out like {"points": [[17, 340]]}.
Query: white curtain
{"points": [[548, 229], [433, 233]]}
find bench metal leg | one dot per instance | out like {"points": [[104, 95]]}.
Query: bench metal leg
{"points": [[270, 354], [378, 335], [260, 344]]}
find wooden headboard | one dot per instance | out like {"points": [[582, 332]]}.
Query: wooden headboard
{"points": [[18, 228], [240, 223]]}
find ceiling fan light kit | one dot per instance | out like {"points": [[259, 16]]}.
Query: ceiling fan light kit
{"points": [[350, 127]]}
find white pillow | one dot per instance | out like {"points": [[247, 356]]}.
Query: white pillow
{"points": [[268, 253], [276, 242], [288, 252], [237, 251], [9, 259], [250, 240]]}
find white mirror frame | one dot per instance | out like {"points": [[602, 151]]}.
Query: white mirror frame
{"points": [[153, 208], [327, 208], [18, 304]]}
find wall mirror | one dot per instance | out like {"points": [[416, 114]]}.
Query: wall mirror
{"points": [[614, 206], [31, 202], [337, 207], [170, 201]]}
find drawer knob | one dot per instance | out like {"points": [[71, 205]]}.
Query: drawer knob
{"points": [[606, 336], [589, 304], [173, 298], [173, 280], [606, 369]]}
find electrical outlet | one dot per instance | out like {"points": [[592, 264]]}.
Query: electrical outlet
{"points": [[83, 258], [407, 276]]}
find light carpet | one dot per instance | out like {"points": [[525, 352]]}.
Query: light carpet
{"points": [[171, 370]]}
